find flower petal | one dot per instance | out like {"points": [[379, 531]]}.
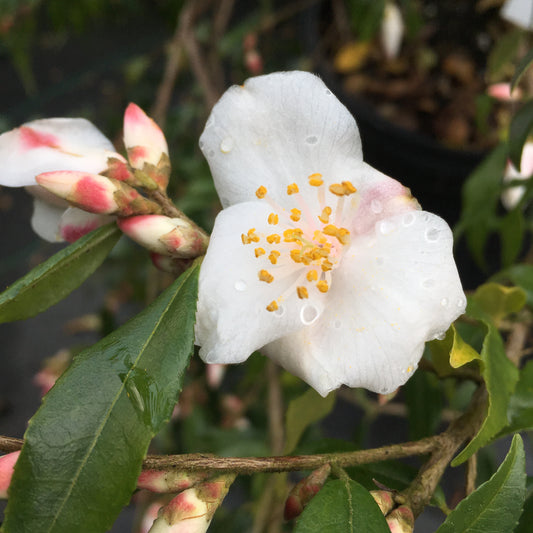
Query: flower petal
{"points": [[279, 129], [52, 144], [75, 223], [396, 289], [45, 220], [232, 321]]}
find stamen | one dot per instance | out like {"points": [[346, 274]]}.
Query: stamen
{"points": [[349, 188], [322, 286], [264, 275], [252, 235], [342, 189], [273, 218], [245, 239], [292, 189], [315, 180], [259, 251], [292, 235], [312, 275], [324, 217], [296, 214], [274, 254], [302, 292], [274, 238], [296, 255], [343, 236], [261, 192], [326, 266], [272, 306]]}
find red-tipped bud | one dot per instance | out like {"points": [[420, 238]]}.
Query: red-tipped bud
{"points": [[384, 500], [304, 491], [253, 61], [163, 482], [147, 148], [502, 92], [192, 510], [96, 194], [401, 520], [175, 237], [7, 465]]}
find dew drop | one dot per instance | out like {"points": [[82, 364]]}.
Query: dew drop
{"points": [[444, 302], [429, 283], [408, 219], [227, 144], [385, 227], [201, 144], [312, 139], [308, 314], [328, 92], [440, 336], [376, 206], [280, 311], [432, 235], [240, 285], [380, 260], [461, 302]]}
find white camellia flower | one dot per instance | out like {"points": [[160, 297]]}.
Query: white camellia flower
{"points": [[322, 262]]}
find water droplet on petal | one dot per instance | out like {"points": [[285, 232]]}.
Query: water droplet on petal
{"points": [[201, 144], [461, 302], [312, 139], [376, 206], [408, 219], [432, 235], [440, 336], [227, 145], [328, 92], [429, 283], [280, 311], [385, 227], [240, 285], [308, 314], [444, 302]]}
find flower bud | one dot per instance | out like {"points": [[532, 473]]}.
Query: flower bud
{"points": [[96, 194], [192, 510], [392, 30], [176, 237], [502, 92], [172, 265], [7, 465], [401, 520], [383, 499], [161, 481], [304, 491]]}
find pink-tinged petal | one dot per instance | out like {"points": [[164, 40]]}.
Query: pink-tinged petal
{"points": [[143, 138], [161, 481], [52, 144], [45, 220], [7, 465], [148, 517], [502, 91], [75, 223]]}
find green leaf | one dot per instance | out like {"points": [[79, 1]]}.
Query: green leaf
{"points": [[520, 128], [342, 507], [498, 301], [521, 68], [521, 275], [58, 276], [500, 377], [512, 227], [524, 525], [308, 408], [520, 412], [503, 54], [84, 447], [451, 352], [496, 505]]}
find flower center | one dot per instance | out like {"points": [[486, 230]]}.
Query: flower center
{"points": [[308, 246]]}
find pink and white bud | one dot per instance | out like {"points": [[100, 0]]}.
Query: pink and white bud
{"points": [[384, 500], [392, 30], [96, 194], [163, 482], [502, 92], [175, 237], [401, 520], [511, 196], [143, 139], [253, 61], [172, 265], [305, 491], [7, 465], [192, 510], [214, 375], [75, 223], [148, 517]]}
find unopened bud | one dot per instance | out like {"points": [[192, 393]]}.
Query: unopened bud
{"points": [[172, 265], [401, 520], [502, 92], [147, 148], [96, 194], [7, 465], [192, 510], [304, 491], [383, 499], [392, 30], [161, 481], [215, 374], [253, 61], [166, 236]]}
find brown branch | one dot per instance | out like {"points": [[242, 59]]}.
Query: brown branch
{"points": [[471, 474]]}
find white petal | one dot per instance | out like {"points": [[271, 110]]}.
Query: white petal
{"points": [[275, 130], [518, 12], [76, 223], [45, 220], [392, 30], [52, 144], [394, 290], [232, 320]]}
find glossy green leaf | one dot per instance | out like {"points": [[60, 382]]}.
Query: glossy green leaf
{"points": [[503, 54], [58, 276], [84, 447], [520, 412], [524, 525], [451, 352], [512, 228], [498, 301], [521, 126], [496, 505], [521, 68], [342, 507], [308, 408], [500, 377]]}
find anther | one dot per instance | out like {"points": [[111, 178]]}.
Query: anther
{"points": [[272, 306], [261, 192], [252, 235], [326, 266], [274, 238], [302, 292], [292, 189], [312, 275], [342, 189], [322, 286], [292, 235], [324, 217], [315, 180], [245, 239], [264, 275], [273, 218], [274, 254], [259, 252], [296, 255], [296, 214]]}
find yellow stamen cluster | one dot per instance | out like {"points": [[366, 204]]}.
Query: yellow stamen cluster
{"points": [[296, 214], [259, 252], [324, 217], [292, 189], [344, 188], [265, 275], [261, 192], [315, 180], [273, 218], [341, 234], [273, 256], [302, 292], [274, 238]]}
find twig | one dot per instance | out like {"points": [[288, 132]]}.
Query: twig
{"points": [[471, 474]]}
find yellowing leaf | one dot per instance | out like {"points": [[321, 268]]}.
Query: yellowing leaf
{"points": [[461, 352], [451, 352], [352, 56], [499, 301]]}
